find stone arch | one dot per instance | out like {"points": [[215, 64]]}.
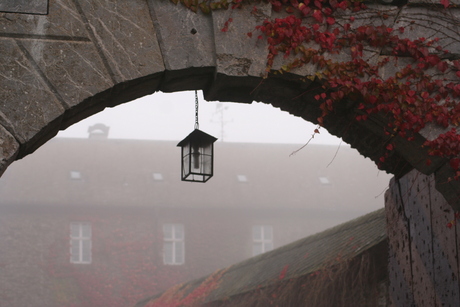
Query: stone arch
{"points": [[64, 60]]}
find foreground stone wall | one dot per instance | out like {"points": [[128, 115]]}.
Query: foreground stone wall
{"points": [[66, 60], [423, 246]]}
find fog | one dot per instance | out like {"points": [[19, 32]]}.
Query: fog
{"points": [[102, 218], [171, 116]]}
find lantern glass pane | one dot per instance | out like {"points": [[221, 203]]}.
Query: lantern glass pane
{"points": [[197, 159], [207, 165]]}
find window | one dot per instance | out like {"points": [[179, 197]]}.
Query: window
{"points": [[157, 176], [75, 175], [80, 243], [173, 245], [262, 239], [242, 178]]}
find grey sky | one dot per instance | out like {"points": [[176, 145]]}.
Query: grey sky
{"points": [[171, 116]]}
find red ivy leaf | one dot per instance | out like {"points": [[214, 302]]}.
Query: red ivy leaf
{"points": [[283, 272], [442, 66], [445, 3], [318, 16], [330, 20], [455, 163]]}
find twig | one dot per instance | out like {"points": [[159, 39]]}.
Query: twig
{"points": [[336, 152], [316, 131]]}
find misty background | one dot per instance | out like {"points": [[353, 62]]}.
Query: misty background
{"points": [[95, 219], [171, 116]]}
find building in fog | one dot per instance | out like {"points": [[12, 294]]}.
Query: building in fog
{"points": [[346, 265], [102, 222]]}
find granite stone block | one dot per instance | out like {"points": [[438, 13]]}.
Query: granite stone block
{"points": [[124, 35], [26, 100], [24, 6]]}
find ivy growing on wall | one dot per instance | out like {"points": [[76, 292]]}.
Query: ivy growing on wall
{"points": [[423, 90]]}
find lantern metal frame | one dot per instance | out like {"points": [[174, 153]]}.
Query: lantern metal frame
{"points": [[197, 154]]}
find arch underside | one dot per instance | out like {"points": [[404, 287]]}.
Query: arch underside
{"points": [[86, 55]]}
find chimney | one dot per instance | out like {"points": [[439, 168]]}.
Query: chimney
{"points": [[98, 132]]}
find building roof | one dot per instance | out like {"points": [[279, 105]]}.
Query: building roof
{"points": [[300, 258], [109, 172]]}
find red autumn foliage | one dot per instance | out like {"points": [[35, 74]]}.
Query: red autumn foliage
{"points": [[283, 272], [410, 99]]}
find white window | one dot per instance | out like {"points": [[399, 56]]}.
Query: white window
{"points": [[157, 176], [262, 239], [80, 243], [173, 245], [242, 178], [75, 175]]}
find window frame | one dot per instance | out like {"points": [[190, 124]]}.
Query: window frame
{"points": [[175, 241], [263, 240], [81, 239]]}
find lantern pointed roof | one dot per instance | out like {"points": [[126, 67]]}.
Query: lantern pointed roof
{"points": [[197, 136]]}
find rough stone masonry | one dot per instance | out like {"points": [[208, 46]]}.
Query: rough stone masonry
{"points": [[64, 60]]}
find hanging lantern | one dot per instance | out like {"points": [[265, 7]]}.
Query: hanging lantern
{"points": [[197, 153]]}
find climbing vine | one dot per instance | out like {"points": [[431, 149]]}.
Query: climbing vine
{"points": [[423, 90]]}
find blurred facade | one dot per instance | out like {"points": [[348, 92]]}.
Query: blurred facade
{"points": [[102, 222]]}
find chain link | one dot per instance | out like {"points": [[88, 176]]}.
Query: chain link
{"points": [[196, 110]]}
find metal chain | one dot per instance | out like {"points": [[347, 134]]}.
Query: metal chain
{"points": [[196, 110]]}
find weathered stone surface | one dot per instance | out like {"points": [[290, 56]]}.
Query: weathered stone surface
{"points": [[399, 262], [63, 22], [237, 53], [86, 55], [123, 32], [241, 60], [416, 190], [26, 99], [433, 4], [423, 249], [445, 252], [25, 6], [428, 23], [74, 69], [450, 189], [9, 148], [186, 41]]}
